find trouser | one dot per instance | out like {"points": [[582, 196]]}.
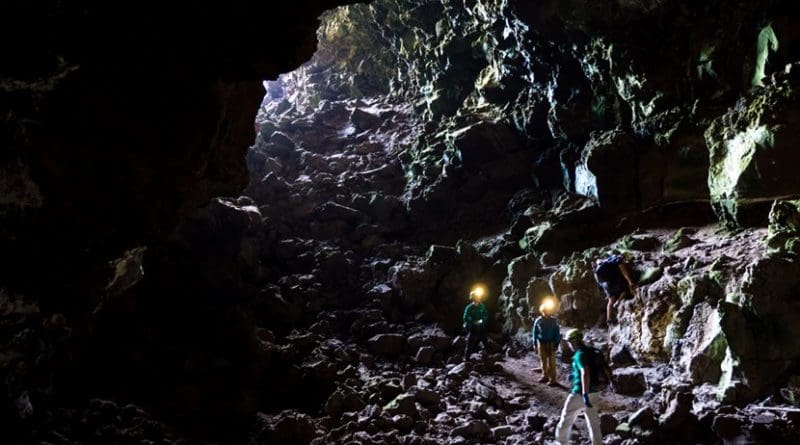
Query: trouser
{"points": [[475, 334], [572, 408], [547, 355]]}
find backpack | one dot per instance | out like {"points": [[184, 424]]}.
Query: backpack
{"points": [[608, 269], [597, 366]]}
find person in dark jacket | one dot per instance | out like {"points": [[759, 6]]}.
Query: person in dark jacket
{"points": [[613, 275], [546, 338], [476, 320]]}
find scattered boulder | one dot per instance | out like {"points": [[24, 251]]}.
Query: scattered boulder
{"points": [[521, 269], [680, 240], [343, 400], [474, 429], [629, 381], [426, 396], [678, 410], [288, 427], [403, 404], [387, 344], [727, 426], [608, 423], [485, 392], [535, 421], [644, 419], [403, 422], [502, 431], [425, 355]]}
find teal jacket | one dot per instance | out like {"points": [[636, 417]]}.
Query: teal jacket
{"points": [[580, 360], [476, 312]]}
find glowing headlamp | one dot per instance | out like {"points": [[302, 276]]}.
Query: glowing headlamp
{"points": [[478, 291], [548, 305]]}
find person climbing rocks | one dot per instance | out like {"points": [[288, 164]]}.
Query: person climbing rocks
{"points": [[476, 320], [613, 275], [588, 366], [546, 334]]}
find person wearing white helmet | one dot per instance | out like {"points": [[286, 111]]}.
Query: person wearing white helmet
{"points": [[589, 371]]}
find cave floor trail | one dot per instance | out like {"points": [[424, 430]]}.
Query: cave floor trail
{"points": [[523, 377]]}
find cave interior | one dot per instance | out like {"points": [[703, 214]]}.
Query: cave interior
{"points": [[258, 223]]}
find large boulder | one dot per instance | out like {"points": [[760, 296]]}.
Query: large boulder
{"points": [[760, 325], [629, 381], [699, 351], [783, 238], [645, 320]]}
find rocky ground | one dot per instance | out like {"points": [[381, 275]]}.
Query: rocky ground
{"points": [[425, 147]]}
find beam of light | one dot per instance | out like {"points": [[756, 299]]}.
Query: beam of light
{"points": [[478, 291], [548, 305]]}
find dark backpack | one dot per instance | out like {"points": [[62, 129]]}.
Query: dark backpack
{"points": [[608, 269], [597, 366]]}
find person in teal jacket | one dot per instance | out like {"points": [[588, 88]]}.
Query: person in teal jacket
{"points": [[476, 320], [587, 366]]}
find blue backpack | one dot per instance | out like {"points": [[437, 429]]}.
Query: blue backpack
{"points": [[608, 269]]}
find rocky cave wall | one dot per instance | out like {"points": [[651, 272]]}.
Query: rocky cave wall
{"points": [[428, 144], [541, 132], [118, 122]]}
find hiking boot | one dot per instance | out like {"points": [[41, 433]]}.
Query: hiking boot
{"points": [[552, 384]]}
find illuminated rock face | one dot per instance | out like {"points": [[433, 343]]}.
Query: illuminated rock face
{"points": [[750, 147], [600, 108]]}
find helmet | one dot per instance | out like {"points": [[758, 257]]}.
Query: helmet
{"points": [[574, 335], [478, 291], [548, 306]]}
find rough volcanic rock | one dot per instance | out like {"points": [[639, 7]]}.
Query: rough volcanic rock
{"points": [[749, 147], [629, 381], [474, 430], [289, 427], [428, 145], [117, 132], [392, 344], [784, 229]]}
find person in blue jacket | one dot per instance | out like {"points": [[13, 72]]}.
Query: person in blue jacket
{"points": [[546, 338]]}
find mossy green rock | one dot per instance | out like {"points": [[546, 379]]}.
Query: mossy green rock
{"points": [[753, 154], [783, 238]]}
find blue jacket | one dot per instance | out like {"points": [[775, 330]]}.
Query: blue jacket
{"points": [[546, 330]]}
